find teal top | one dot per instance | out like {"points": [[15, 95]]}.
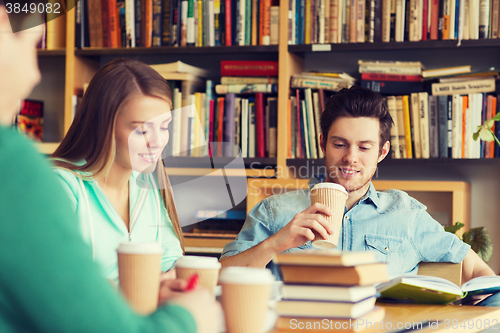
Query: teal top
{"points": [[48, 282], [103, 228]]}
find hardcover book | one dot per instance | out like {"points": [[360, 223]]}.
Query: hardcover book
{"points": [[435, 290], [325, 309], [30, 119]]}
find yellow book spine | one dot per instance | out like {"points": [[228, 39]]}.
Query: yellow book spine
{"points": [[406, 115], [308, 23], [197, 122]]}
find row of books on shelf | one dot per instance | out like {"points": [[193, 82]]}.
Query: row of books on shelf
{"points": [[360, 21], [230, 126], [133, 23], [405, 77], [440, 126]]}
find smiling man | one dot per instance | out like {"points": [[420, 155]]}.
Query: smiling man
{"points": [[355, 128]]}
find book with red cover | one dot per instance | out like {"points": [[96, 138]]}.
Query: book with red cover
{"points": [[29, 121], [248, 68], [259, 124], [106, 41], [147, 22], [391, 77], [227, 8]]}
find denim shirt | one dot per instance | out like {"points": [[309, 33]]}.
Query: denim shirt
{"points": [[396, 227]]}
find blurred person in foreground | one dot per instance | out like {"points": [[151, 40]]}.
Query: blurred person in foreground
{"points": [[48, 282]]}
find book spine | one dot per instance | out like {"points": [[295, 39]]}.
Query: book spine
{"points": [[407, 126], [229, 126], [463, 87], [254, 22], [105, 23], [251, 129], [78, 24], [484, 18], [401, 127], [246, 88], [424, 124], [456, 132], [390, 70], [317, 84], [434, 20], [449, 124], [166, 17], [138, 11], [156, 35], [249, 68], [217, 23], [433, 127], [228, 23], [394, 133], [443, 125], [129, 22], [190, 24], [391, 77], [259, 123], [248, 22], [272, 134], [241, 23], [247, 80], [334, 21], [310, 123], [415, 115], [393, 87]]}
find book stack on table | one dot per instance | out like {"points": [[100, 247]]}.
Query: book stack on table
{"points": [[328, 290]]}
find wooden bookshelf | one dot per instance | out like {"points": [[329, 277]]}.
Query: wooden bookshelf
{"points": [[82, 64]]}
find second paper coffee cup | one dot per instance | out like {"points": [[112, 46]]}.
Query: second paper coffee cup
{"points": [[207, 269], [245, 295]]}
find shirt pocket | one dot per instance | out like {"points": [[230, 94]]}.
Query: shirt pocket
{"points": [[387, 249]]}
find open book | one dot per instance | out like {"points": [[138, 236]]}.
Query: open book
{"points": [[435, 290]]}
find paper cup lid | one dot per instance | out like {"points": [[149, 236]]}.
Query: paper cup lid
{"points": [[139, 248], [333, 186], [198, 262], [246, 275]]}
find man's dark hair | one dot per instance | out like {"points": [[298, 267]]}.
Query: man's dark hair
{"points": [[357, 102]]}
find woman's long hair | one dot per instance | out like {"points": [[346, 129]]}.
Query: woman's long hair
{"points": [[91, 136]]}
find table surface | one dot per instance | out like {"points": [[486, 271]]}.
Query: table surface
{"points": [[429, 318]]}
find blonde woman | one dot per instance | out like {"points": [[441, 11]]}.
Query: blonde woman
{"points": [[111, 168]]}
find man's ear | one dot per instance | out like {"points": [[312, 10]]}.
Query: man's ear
{"points": [[384, 151], [322, 144]]}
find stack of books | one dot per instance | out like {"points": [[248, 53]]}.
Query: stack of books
{"points": [[391, 77], [328, 288]]}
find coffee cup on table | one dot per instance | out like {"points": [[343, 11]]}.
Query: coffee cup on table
{"points": [[245, 295], [207, 269], [333, 196], [139, 269]]}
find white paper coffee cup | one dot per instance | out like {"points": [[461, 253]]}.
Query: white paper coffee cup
{"points": [[245, 293], [334, 196], [139, 268], [207, 269]]}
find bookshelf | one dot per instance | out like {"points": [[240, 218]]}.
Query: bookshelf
{"points": [[79, 65]]}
